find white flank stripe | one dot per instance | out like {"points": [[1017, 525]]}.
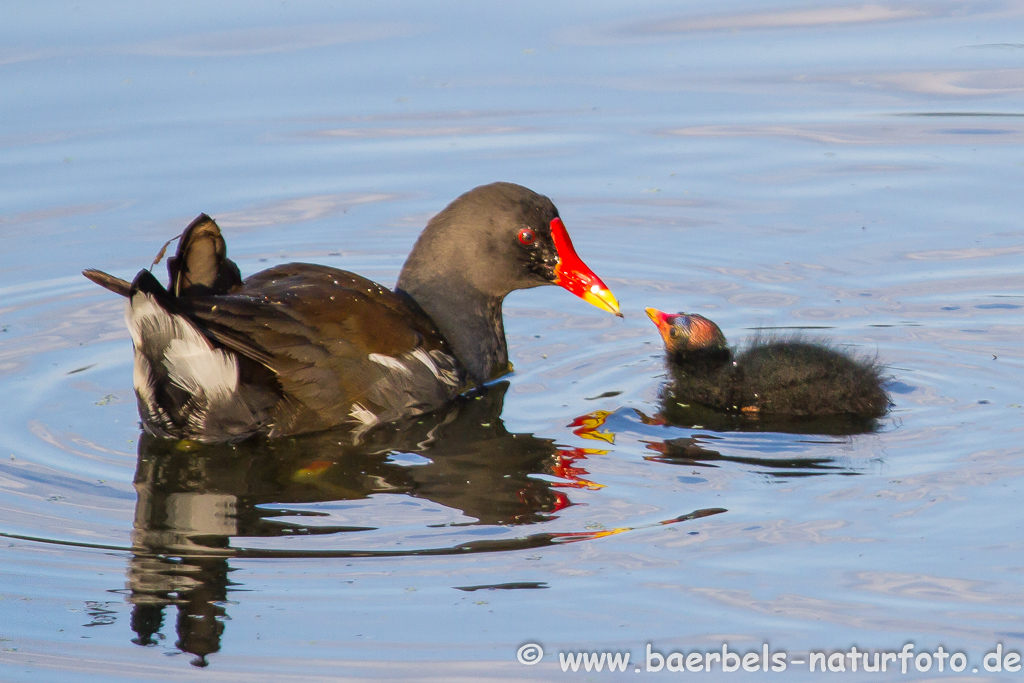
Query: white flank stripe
{"points": [[363, 415], [421, 356], [389, 362], [447, 376]]}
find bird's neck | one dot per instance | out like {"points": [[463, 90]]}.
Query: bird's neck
{"points": [[699, 361], [469, 320]]}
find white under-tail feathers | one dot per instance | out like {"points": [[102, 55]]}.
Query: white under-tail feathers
{"points": [[209, 375]]}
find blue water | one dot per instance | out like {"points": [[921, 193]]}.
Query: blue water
{"points": [[849, 170]]}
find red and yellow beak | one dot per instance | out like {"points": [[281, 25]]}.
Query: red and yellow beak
{"points": [[662, 320], [574, 275]]}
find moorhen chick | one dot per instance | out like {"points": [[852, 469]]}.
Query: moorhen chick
{"points": [[789, 377], [301, 347]]}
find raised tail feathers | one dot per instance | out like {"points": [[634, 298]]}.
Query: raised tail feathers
{"points": [[201, 265]]}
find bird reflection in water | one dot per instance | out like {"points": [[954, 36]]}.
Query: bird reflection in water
{"points": [[694, 450], [193, 500], [697, 416]]}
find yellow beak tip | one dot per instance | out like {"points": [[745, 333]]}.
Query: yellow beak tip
{"points": [[603, 299]]}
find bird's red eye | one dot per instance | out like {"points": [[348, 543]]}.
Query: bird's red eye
{"points": [[527, 236]]}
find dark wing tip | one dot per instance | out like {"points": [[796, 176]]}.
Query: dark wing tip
{"points": [[114, 284]]}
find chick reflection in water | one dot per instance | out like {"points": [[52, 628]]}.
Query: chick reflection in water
{"points": [[192, 501], [695, 451]]}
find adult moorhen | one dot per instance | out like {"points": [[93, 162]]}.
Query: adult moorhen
{"points": [[789, 377], [300, 347]]}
